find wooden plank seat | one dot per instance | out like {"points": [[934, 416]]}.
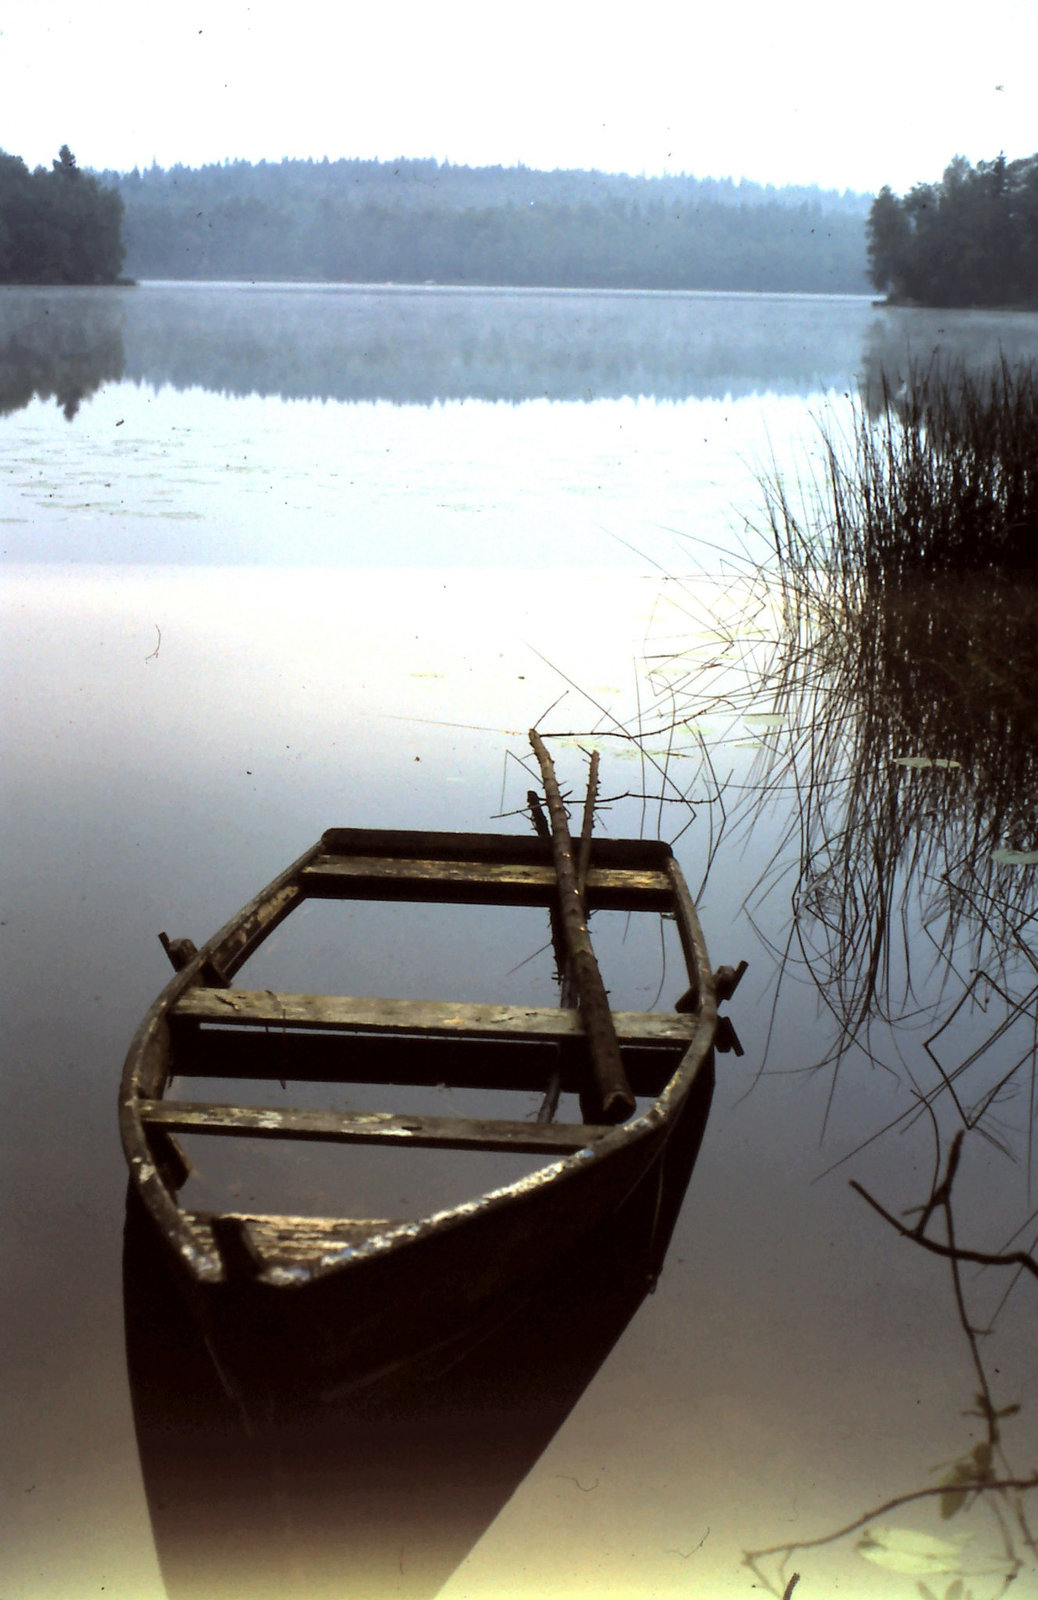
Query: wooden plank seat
{"points": [[354, 1127], [425, 845], [309, 1056], [263, 1008], [477, 882]]}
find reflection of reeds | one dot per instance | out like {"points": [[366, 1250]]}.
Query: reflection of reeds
{"points": [[905, 679], [914, 759], [893, 645], [911, 657]]}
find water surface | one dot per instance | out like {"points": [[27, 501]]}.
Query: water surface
{"points": [[285, 559]]}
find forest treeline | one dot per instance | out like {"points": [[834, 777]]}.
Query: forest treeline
{"points": [[421, 221], [970, 240], [58, 224]]}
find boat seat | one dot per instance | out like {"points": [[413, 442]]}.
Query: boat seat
{"points": [[518, 883], [263, 1008], [355, 1127]]}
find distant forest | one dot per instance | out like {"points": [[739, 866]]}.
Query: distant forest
{"points": [[970, 240], [57, 225], [422, 221]]}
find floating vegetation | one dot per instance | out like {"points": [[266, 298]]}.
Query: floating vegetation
{"points": [[905, 1550], [918, 763]]}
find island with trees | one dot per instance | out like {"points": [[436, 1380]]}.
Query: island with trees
{"points": [[422, 221], [58, 226], [970, 240]]}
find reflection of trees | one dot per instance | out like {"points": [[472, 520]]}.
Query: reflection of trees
{"points": [[60, 345], [903, 342], [421, 346]]}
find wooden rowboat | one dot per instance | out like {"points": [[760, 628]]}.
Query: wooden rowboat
{"points": [[435, 1271]]}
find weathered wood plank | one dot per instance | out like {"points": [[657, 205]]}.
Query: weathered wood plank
{"points": [[349, 1014], [290, 1240], [379, 1127], [385, 1058], [644, 854], [233, 946], [530, 883]]}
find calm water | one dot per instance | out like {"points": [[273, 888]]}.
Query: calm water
{"points": [[281, 558]]}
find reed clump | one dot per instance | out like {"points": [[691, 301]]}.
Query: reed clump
{"points": [[938, 478], [910, 575], [907, 671]]}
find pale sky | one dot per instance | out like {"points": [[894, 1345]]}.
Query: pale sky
{"points": [[802, 91]]}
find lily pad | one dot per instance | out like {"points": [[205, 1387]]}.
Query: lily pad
{"points": [[765, 719], [905, 1550], [1015, 858]]}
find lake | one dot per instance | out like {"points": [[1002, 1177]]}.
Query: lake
{"points": [[281, 557]]}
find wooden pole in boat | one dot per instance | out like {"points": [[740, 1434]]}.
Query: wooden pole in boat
{"points": [[567, 988], [615, 1100]]}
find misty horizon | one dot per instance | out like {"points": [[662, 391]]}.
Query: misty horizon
{"points": [[741, 183]]}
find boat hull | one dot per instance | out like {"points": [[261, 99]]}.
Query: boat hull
{"points": [[330, 1296]]}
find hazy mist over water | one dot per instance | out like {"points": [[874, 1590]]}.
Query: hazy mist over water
{"points": [[418, 346], [288, 424], [282, 558]]}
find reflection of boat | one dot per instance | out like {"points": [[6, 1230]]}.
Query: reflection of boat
{"points": [[266, 1489], [373, 1288]]}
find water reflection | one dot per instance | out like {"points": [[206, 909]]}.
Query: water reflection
{"points": [[911, 760], [259, 1483], [891, 692], [58, 344], [422, 346], [904, 340], [909, 744], [415, 346]]}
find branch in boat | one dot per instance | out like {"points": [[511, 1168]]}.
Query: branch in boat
{"points": [[570, 998], [616, 1102], [541, 825], [588, 822]]}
